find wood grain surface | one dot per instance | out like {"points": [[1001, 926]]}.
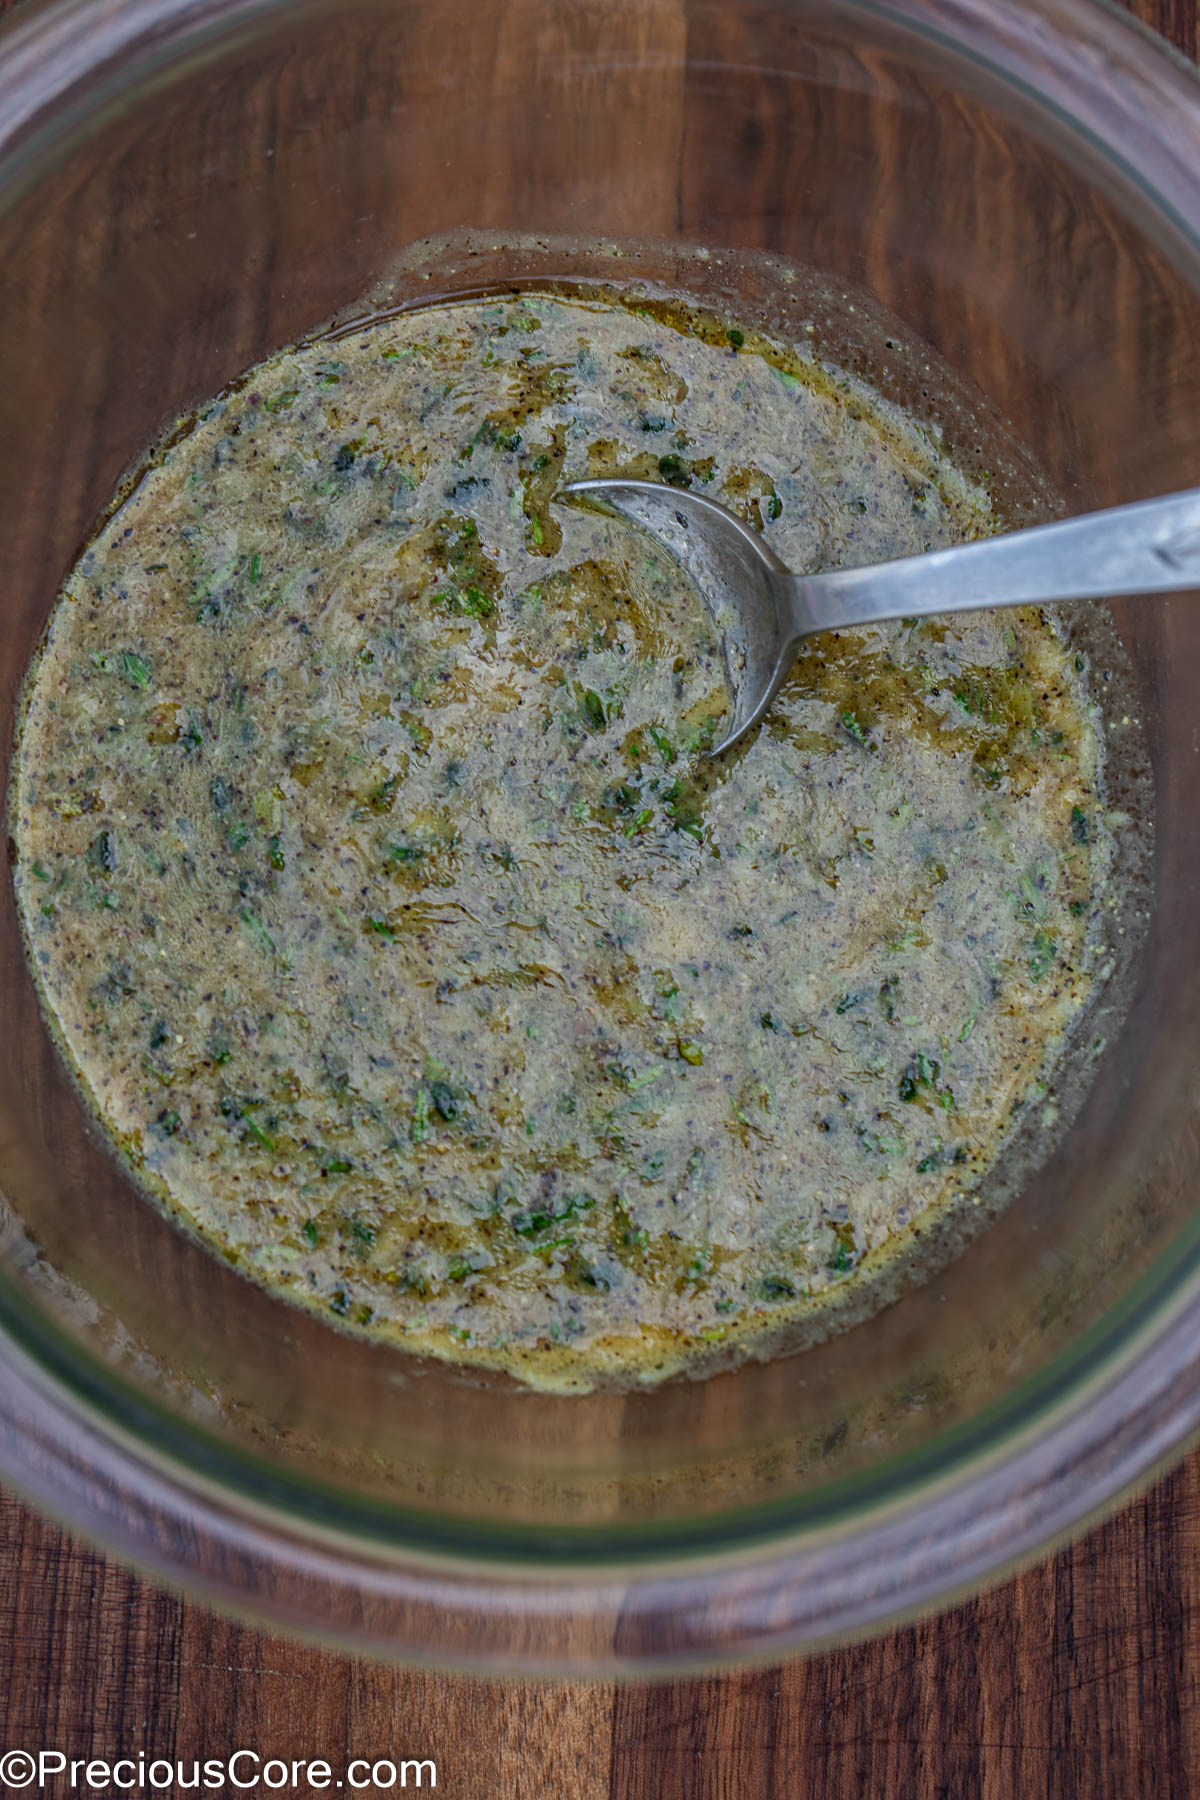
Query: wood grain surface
{"points": [[1079, 1678]]}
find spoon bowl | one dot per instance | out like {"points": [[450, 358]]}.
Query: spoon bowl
{"points": [[738, 577]]}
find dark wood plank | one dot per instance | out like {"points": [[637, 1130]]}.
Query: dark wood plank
{"points": [[95, 1661], [1080, 1678], [1177, 20], [239, 1687], [89, 1653]]}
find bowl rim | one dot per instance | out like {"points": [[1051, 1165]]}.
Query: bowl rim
{"points": [[1108, 1414], [759, 1599]]}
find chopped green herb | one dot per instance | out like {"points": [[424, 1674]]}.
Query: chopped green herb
{"points": [[474, 601], [776, 1287], [922, 1074], [532, 1221], [842, 1258], [256, 1131], [445, 1100], [257, 929], [1043, 955], [102, 853], [134, 669]]}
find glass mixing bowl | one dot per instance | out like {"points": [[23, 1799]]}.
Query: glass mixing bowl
{"points": [[186, 185]]}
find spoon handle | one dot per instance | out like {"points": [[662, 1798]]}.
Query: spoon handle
{"points": [[1152, 546]]}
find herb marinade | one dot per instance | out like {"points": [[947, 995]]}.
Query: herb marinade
{"points": [[395, 921]]}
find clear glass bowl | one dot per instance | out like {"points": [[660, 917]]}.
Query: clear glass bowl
{"points": [[186, 185]]}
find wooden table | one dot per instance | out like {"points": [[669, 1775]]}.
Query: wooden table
{"points": [[1080, 1678]]}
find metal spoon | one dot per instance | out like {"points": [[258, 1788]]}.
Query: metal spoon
{"points": [[763, 612]]}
